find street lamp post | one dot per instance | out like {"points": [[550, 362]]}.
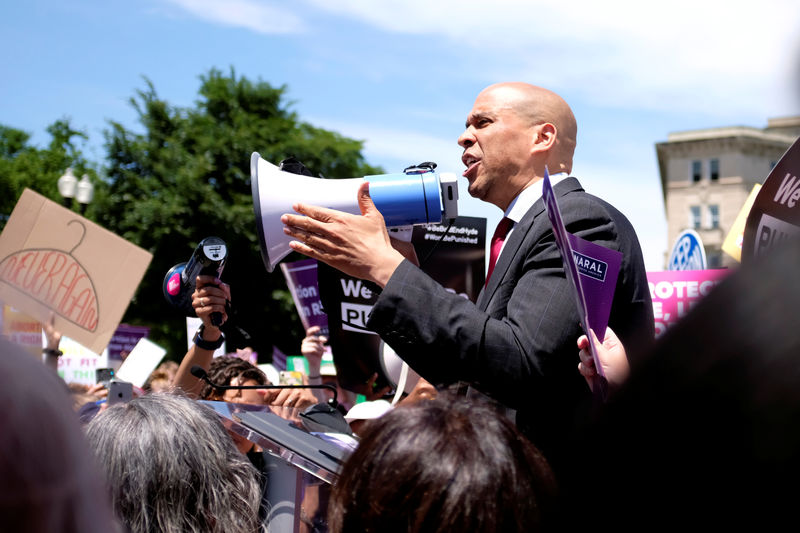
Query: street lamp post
{"points": [[69, 187], [85, 192], [66, 187]]}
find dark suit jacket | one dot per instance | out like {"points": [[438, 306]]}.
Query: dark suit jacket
{"points": [[518, 342]]}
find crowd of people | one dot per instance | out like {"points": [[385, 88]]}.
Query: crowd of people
{"points": [[698, 426]]}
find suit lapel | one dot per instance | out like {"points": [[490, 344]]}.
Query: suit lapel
{"points": [[518, 235]]}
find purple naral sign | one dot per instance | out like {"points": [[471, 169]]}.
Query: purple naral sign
{"points": [[592, 272]]}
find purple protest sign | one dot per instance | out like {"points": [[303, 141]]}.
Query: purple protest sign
{"points": [[592, 272], [301, 278], [674, 292], [123, 340]]}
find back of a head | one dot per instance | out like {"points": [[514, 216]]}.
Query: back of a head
{"points": [[448, 464], [705, 430], [171, 466], [50, 482]]}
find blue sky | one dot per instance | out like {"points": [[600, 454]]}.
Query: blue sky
{"points": [[403, 75]]}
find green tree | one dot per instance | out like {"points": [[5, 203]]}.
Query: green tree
{"points": [[187, 177], [23, 165]]}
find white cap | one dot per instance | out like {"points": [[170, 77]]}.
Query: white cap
{"points": [[368, 410]]}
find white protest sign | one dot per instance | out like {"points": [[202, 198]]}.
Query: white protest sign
{"points": [[142, 360]]}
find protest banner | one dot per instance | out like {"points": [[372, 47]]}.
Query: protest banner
{"points": [[123, 341], [23, 330], [775, 215], [674, 292], [301, 278], [52, 259], [78, 363]]}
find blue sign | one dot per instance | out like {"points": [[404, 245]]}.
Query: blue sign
{"points": [[688, 252]]}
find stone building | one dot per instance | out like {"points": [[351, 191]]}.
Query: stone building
{"points": [[706, 176]]}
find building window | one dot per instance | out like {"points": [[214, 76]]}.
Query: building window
{"points": [[694, 217], [713, 216], [713, 259], [714, 169], [697, 171]]}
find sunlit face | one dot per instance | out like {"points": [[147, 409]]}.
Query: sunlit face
{"points": [[497, 143], [248, 396]]}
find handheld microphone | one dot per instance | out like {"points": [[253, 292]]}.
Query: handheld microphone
{"points": [[208, 259], [200, 373]]}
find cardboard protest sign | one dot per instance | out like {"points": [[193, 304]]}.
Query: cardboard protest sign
{"points": [[674, 292], [52, 259], [592, 270], [775, 215]]}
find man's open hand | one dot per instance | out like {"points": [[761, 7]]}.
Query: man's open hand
{"points": [[356, 245]]}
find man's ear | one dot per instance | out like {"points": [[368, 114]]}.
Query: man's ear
{"points": [[544, 137]]}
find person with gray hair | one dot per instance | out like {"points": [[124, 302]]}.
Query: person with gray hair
{"points": [[171, 466]]}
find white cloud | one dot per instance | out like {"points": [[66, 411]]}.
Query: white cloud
{"points": [[261, 17], [717, 57], [395, 149], [709, 56]]}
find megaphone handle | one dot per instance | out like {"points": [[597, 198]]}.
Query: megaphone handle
{"points": [[216, 318], [401, 383]]}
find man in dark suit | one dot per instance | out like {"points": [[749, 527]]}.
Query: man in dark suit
{"points": [[517, 344]]}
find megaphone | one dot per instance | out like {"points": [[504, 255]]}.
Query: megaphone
{"points": [[418, 195], [396, 371], [208, 259]]}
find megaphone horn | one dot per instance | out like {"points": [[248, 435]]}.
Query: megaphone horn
{"points": [[418, 195]]}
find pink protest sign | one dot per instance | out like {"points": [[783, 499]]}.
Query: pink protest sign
{"points": [[674, 292]]}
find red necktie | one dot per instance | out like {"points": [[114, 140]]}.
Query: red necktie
{"points": [[497, 243]]}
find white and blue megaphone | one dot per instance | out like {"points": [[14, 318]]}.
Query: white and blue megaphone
{"points": [[417, 195]]}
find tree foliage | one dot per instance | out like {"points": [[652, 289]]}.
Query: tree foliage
{"points": [[181, 177], [186, 176], [23, 165]]}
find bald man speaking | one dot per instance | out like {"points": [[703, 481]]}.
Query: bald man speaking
{"points": [[517, 343]]}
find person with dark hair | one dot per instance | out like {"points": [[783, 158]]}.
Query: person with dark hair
{"points": [[449, 464], [228, 370], [516, 343], [171, 466], [213, 296], [50, 482]]}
